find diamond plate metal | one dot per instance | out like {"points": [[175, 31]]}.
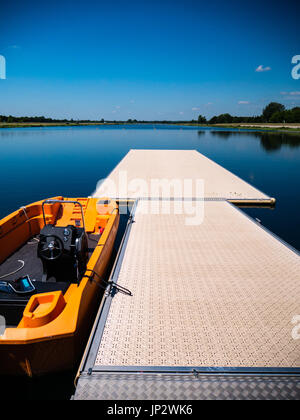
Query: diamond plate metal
{"points": [[100, 386]]}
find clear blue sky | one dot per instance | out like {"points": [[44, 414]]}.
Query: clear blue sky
{"points": [[144, 59]]}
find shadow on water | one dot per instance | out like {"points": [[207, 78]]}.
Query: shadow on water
{"points": [[57, 386]]}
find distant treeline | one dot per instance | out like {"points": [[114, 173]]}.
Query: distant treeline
{"points": [[11, 119], [273, 113]]}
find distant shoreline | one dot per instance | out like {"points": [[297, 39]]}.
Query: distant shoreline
{"points": [[54, 124], [291, 127], [294, 127]]}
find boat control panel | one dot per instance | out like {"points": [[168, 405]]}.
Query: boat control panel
{"points": [[63, 250]]}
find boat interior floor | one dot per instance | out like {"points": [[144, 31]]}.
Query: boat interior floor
{"points": [[12, 305]]}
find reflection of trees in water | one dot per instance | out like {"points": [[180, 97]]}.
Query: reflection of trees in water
{"points": [[222, 134], [270, 141], [201, 133], [275, 141]]}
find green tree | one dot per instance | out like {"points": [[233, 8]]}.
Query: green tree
{"points": [[201, 119], [278, 117], [225, 118], [272, 108], [213, 120], [296, 114]]}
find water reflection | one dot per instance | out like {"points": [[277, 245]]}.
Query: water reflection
{"points": [[275, 141], [224, 135], [270, 141], [81, 156], [201, 133]]}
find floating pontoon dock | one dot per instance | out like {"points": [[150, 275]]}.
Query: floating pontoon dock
{"points": [[136, 175], [213, 304]]}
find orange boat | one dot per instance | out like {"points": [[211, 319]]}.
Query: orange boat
{"points": [[53, 255]]}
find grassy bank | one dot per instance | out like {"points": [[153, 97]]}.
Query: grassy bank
{"points": [[268, 126], [291, 127]]}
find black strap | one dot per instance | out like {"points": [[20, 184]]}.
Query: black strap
{"points": [[110, 286]]}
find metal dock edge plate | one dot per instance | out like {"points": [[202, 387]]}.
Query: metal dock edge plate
{"points": [[103, 386]]}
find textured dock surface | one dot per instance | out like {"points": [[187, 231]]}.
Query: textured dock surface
{"points": [[215, 295], [222, 293], [135, 177]]}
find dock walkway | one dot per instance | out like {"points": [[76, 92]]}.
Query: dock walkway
{"points": [[148, 166], [212, 306]]}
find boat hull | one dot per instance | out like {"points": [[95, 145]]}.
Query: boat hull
{"points": [[38, 351]]}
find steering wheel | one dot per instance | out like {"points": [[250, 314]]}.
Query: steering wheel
{"points": [[53, 249]]}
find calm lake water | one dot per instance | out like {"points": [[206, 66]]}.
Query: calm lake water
{"points": [[37, 163]]}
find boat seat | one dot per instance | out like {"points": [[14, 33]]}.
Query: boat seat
{"points": [[12, 305]]}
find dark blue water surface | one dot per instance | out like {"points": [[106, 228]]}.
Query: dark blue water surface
{"points": [[37, 163]]}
